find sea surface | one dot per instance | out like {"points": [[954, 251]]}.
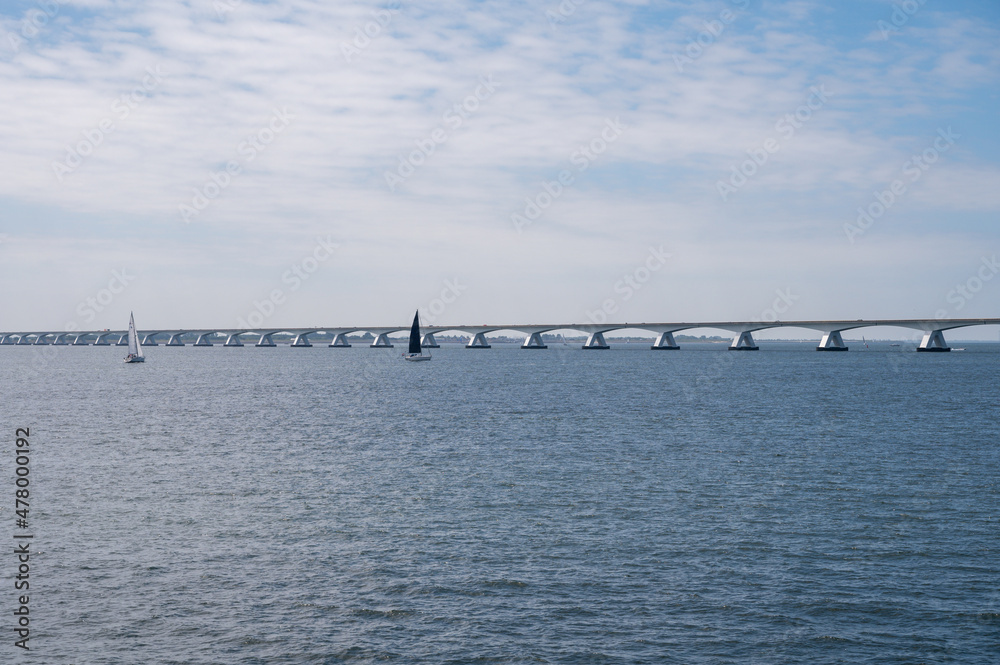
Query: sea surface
{"points": [[280, 505]]}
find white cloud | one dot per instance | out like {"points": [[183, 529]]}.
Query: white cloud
{"points": [[350, 121]]}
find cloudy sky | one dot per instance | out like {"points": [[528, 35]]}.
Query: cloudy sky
{"points": [[345, 163]]}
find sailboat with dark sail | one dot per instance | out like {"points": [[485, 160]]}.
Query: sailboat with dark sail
{"points": [[415, 352], [134, 350]]}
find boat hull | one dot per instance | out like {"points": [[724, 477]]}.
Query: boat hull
{"points": [[415, 357]]}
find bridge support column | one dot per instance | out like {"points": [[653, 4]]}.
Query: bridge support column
{"points": [[81, 340], [596, 341], [60, 340], [302, 341], [933, 342], [534, 341], [382, 342], [42, 340], [743, 342], [148, 340], [478, 341], [6, 339], [233, 340], [23, 340], [428, 342], [340, 341], [203, 340], [102, 340], [665, 342], [832, 341], [123, 340], [175, 340], [265, 340]]}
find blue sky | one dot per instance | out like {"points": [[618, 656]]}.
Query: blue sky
{"points": [[666, 99]]}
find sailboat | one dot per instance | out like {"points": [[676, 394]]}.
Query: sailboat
{"points": [[134, 350], [415, 352]]}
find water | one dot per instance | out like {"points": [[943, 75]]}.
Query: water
{"points": [[564, 506]]}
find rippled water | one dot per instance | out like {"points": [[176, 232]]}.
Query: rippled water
{"points": [[504, 506]]}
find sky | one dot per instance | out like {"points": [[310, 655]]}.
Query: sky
{"points": [[302, 163]]}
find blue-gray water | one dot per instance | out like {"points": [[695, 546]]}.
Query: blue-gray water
{"points": [[504, 506]]}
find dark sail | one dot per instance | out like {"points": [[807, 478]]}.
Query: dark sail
{"points": [[415, 334]]}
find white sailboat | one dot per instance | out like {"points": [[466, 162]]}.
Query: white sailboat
{"points": [[134, 350], [415, 352]]}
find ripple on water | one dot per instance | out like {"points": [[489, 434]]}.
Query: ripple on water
{"points": [[324, 506]]}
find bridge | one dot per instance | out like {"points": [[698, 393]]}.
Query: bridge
{"points": [[830, 331]]}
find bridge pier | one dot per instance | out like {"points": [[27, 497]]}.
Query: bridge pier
{"points": [[302, 341], [81, 340], [744, 342], [42, 340], [933, 342], [60, 340], [382, 342], [203, 340], [148, 340], [265, 340], [102, 340], [665, 342], [233, 340], [596, 341], [478, 341], [5, 339], [534, 341], [23, 340], [175, 340], [428, 342], [340, 341], [832, 341]]}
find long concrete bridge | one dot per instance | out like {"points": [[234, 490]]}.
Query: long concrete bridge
{"points": [[831, 340]]}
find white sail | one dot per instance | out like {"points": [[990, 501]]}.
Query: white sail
{"points": [[133, 338]]}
